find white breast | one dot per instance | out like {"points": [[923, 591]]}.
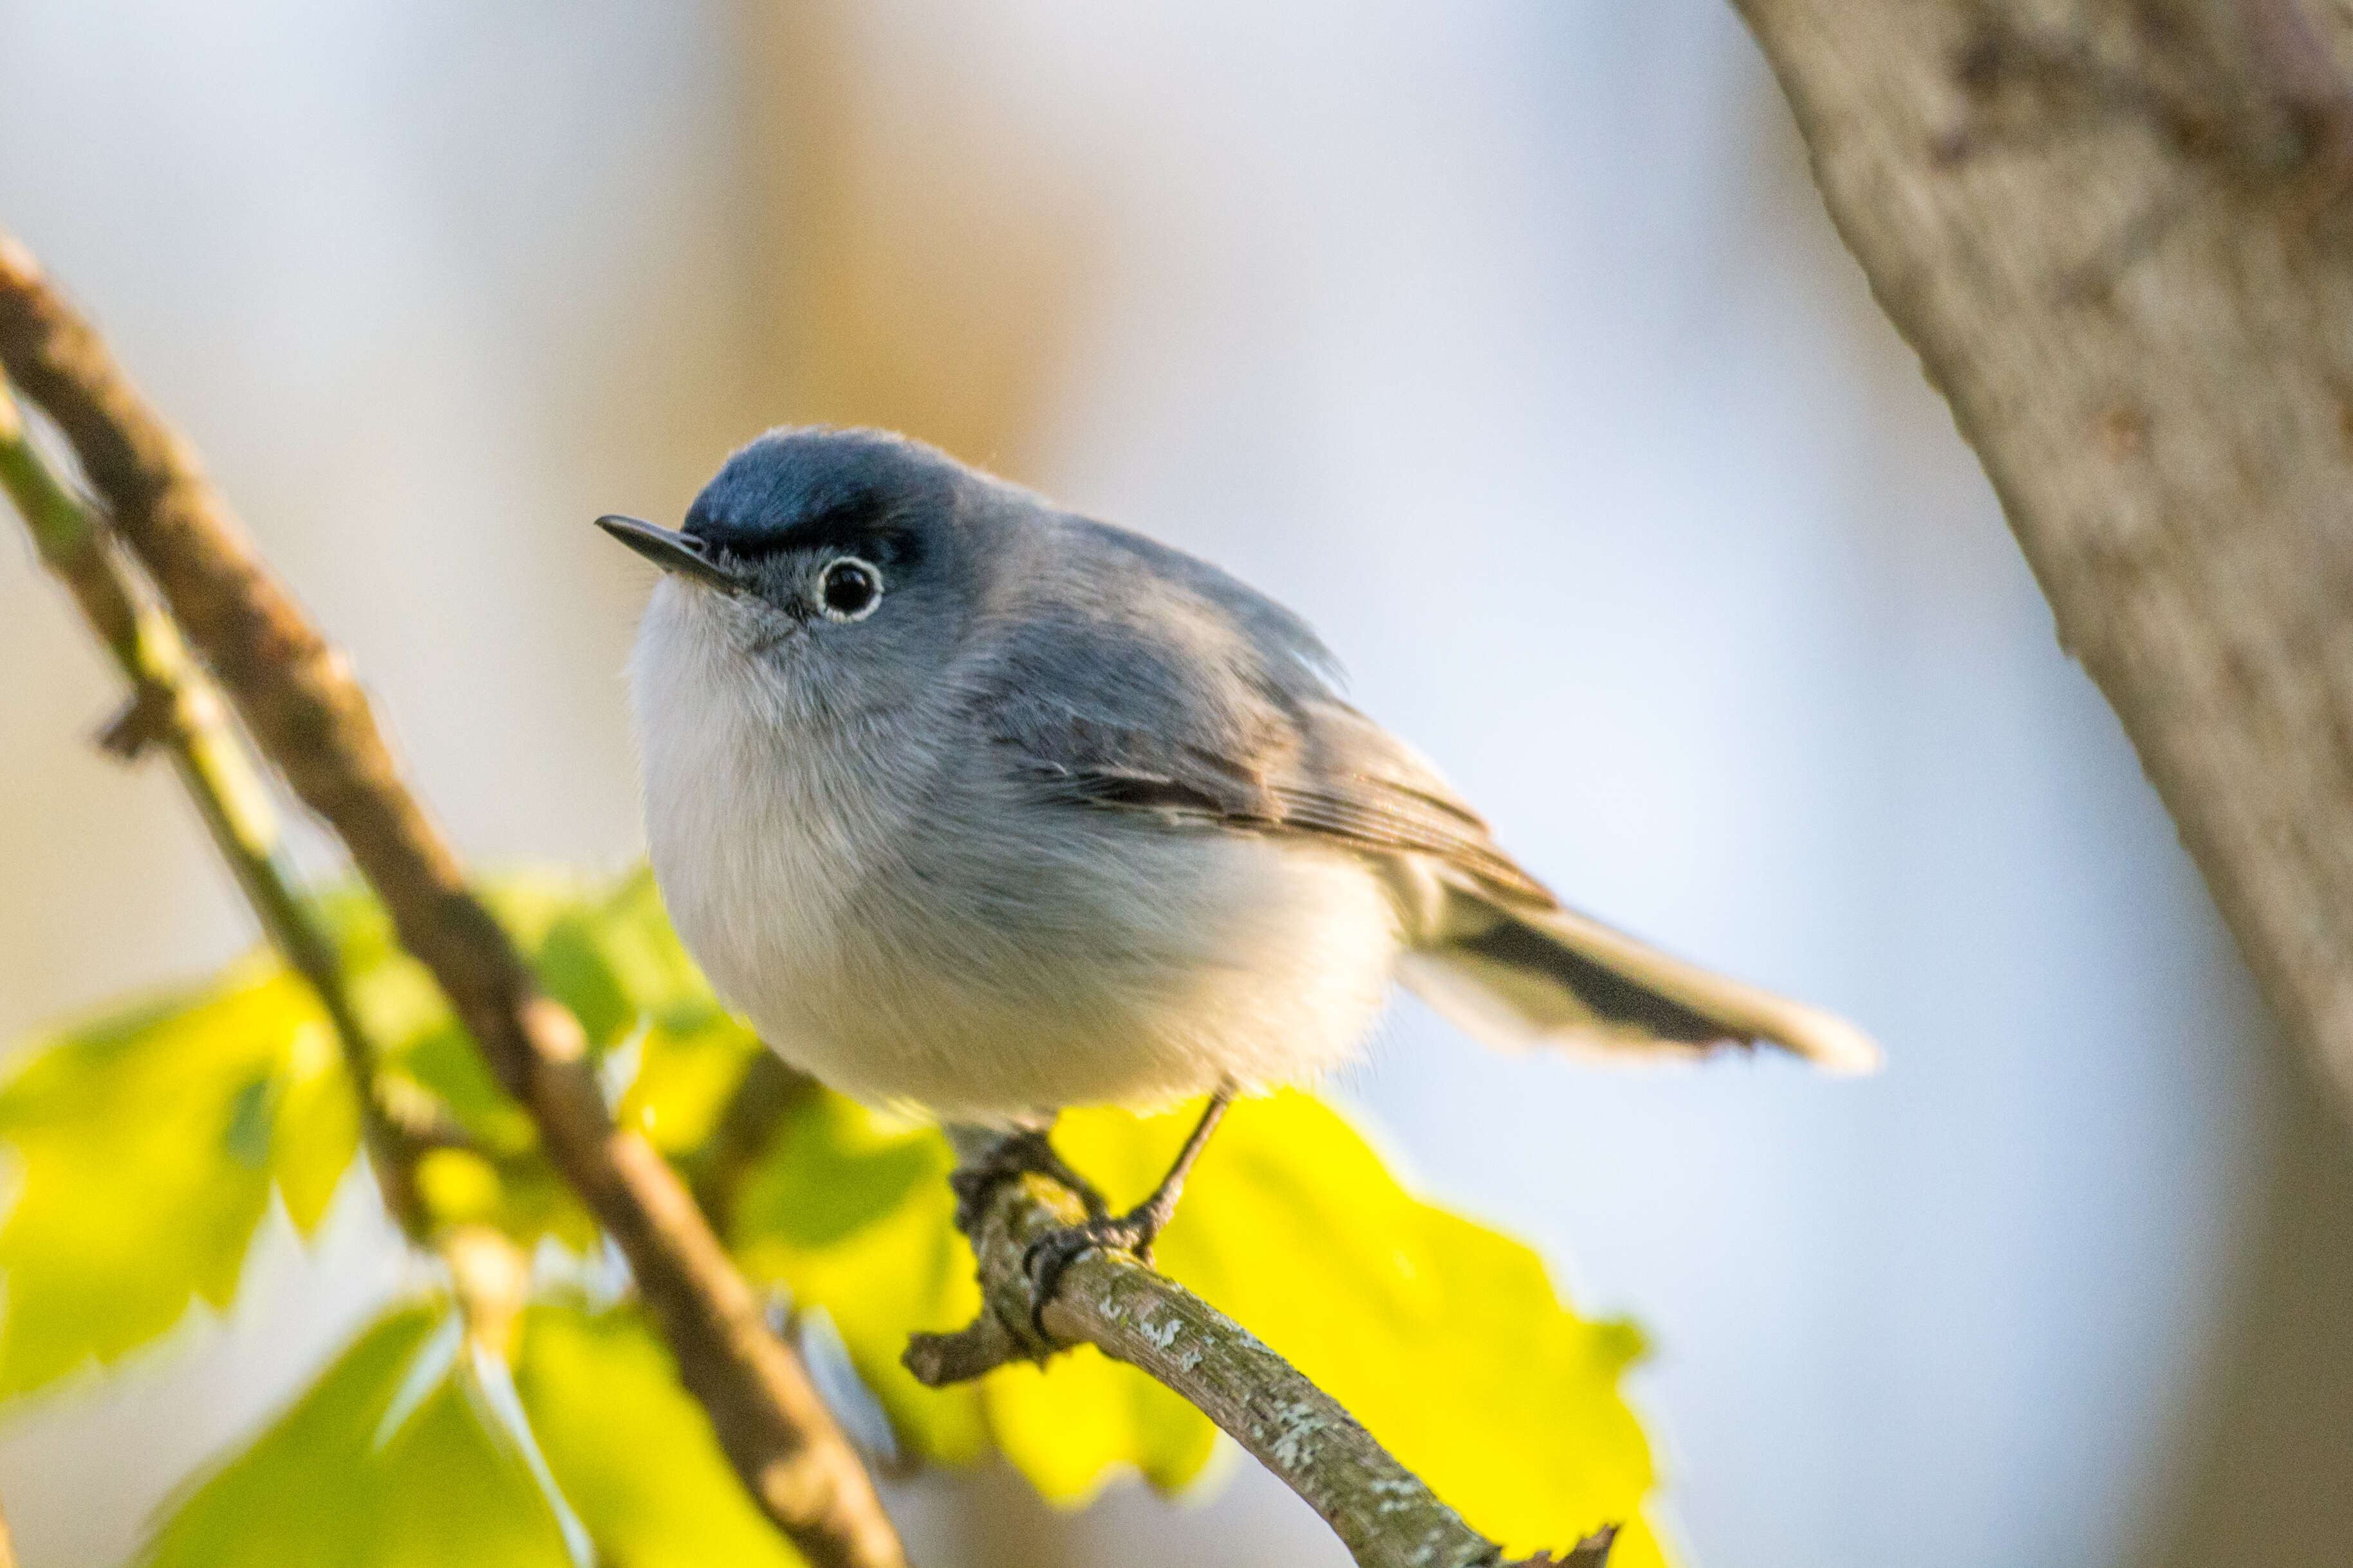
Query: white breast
{"points": [[898, 920]]}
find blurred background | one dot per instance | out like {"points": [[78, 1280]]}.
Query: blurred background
{"points": [[1527, 307]]}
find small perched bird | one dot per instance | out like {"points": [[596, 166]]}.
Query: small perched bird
{"points": [[971, 805]]}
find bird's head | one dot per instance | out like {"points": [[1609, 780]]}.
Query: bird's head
{"points": [[835, 571]]}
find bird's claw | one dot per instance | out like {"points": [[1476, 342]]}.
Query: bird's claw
{"points": [[1015, 1155], [1045, 1259]]}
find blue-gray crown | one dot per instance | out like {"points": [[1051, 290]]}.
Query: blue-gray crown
{"points": [[806, 487]]}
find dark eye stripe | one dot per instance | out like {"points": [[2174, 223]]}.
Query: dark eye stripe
{"points": [[861, 528]]}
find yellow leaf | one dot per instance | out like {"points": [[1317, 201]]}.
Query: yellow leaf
{"points": [[633, 1454], [1449, 1342], [143, 1149]]}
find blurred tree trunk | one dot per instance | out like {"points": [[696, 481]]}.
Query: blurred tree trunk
{"points": [[2262, 1471], [2120, 238]]}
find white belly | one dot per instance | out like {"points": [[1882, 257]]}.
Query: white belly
{"points": [[935, 942], [1240, 959]]}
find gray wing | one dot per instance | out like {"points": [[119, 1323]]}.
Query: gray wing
{"points": [[1165, 686], [1153, 683]]}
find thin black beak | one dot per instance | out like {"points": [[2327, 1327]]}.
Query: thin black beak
{"points": [[679, 553]]}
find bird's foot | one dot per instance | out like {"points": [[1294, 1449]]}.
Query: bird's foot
{"points": [[1132, 1233], [1045, 1259], [1010, 1158]]}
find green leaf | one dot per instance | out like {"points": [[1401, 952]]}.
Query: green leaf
{"points": [[317, 1128], [671, 1053], [851, 1210], [608, 953], [404, 1015], [633, 1454], [1451, 1342], [397, 1456], [143, 1149], [419, 1042], [691, 1053], [345, 1480]]}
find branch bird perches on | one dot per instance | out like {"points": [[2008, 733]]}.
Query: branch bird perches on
{"points": [[1382, 1512]]}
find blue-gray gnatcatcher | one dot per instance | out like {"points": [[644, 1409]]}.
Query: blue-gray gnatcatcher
{"points": [[971, 805]]}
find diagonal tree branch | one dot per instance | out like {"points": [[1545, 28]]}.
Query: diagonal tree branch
{"points": [[172, 702], [2173, 448], [301, 704], [1380, 1510]]}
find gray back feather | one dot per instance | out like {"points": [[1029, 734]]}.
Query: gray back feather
{"points": [[1121, 675]]}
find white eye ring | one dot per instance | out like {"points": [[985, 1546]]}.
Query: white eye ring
{"points": [[848, 587]]}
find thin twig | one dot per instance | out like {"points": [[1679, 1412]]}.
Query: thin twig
{"points": [[300, 702], [1380, 1510], [173, 703]]}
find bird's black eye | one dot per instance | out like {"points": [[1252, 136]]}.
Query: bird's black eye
{"points": [[848, 588]]}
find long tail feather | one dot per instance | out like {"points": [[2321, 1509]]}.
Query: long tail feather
{"points": [[1517, 976]]}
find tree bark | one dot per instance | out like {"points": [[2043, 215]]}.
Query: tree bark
{"points": [[2120, 239]]}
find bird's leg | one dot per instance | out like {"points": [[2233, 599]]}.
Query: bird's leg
{"points": [[988, 1159], [1151, 1217], [1132, 1232]]}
